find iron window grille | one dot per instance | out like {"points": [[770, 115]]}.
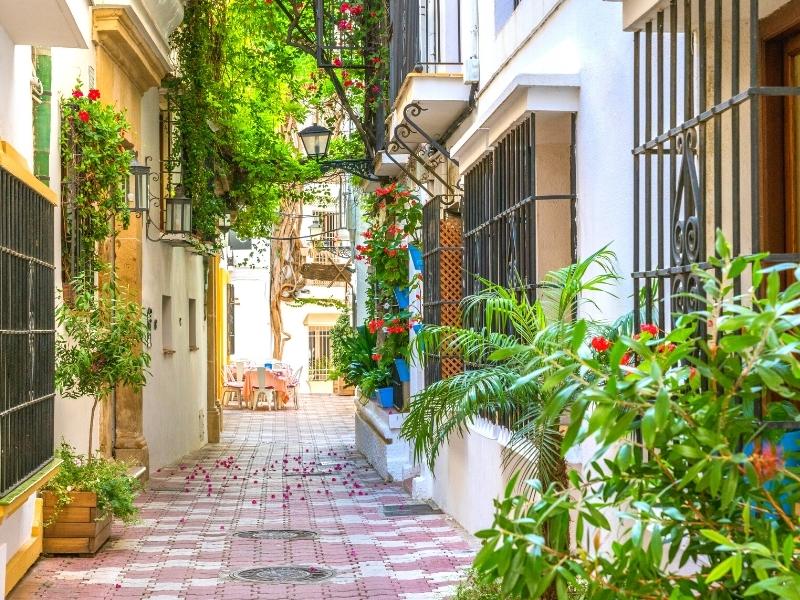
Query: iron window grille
{"points": [[27, 331], [519, 211], [319, 353], [702, 157]]}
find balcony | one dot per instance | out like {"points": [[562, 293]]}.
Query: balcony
{"points": [[45, 23], [427, 86]]}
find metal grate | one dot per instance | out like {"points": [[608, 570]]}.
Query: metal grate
{"points": [[27, 331], [287, 535], [284, 574], [410, 510]]}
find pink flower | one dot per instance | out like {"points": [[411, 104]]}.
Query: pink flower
{"points": [[337, 62], [77, 93]]}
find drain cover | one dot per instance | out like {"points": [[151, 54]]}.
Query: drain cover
{"points": [[284, 574], [405, 510], [288, 535]]}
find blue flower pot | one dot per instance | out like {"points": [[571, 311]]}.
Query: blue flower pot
{"points": [[403, 371], [402, 296], [416, 257], [385, 397], [417, 328]]}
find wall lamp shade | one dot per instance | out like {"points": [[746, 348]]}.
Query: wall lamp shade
{"points": [[224, 222], [315, 140], [178, 213], [138, 187]]}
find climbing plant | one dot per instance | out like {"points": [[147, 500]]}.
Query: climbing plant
{"points": [[96, 166]]}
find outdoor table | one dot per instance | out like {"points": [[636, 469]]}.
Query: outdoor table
{"points": [[273, 379]]}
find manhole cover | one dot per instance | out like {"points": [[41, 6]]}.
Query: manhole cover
{"points": [[404, 510], [284, 574], [288, 535]]}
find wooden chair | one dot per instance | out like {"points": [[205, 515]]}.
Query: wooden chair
{"points": [[294, 383], [262, 392], [232, 389]]}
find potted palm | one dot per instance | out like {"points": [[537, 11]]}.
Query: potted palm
{"points": [[99, 347]]}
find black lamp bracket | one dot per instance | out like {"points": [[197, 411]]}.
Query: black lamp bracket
{"points": [[360, 167]]}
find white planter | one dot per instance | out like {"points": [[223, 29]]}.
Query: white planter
{"points": [[378, 439]]}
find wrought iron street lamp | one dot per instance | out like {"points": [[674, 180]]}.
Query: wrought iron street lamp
{"points": [[138, 187], [179, 213], [316, 139], [224, 222]]}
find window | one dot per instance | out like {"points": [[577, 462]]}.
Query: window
{"points": [[710, 145], [328, 222], [519, 206], [27, 331], [192, 324], [319, 352], [166, 325]]}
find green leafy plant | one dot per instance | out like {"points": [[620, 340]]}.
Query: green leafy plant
{"points": [[96, 167], [379, 376], [499, 323], [704, 497], [100, 344], [109, 479], [355, 357]]}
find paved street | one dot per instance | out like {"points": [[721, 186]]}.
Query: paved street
{"points": [[294, 470]]}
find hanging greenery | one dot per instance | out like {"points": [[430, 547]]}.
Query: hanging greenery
{"points": [[96, 166]]}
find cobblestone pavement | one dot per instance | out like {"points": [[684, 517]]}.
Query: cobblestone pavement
{"points": [[284, 470]]}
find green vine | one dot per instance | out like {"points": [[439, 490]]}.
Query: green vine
{"points": [[96, 166], [325, 302]]}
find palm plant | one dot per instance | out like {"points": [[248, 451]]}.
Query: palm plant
{"points": [[503, 330]]}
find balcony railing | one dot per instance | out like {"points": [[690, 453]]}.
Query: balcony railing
{"points": [[426, 38]]}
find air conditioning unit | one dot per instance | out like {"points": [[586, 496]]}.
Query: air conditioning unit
{"points": [[472, 70]]}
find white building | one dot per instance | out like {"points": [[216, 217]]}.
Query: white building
{"points": [[122, 49]]}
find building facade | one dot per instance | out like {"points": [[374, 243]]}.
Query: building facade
{"points": [[122, 49]]}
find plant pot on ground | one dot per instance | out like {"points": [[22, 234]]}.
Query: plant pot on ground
{"points": [[80, 501]]}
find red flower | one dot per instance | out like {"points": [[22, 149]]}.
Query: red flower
{"points": [[356, 10], [692, 372], [347, 82], [374, 325], [626, 359], [337, 62], [345, 25], [376, 357], [83, 116], [360, 85], [344, 7], [666, 348], [375, 60], [368, 234], [386, 191], [375, 88], [649, 328], [392, 253], [600, 344], [94, 94], [77, 94]]}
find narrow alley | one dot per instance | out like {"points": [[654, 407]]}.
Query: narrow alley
{"points": [[282, 490]]}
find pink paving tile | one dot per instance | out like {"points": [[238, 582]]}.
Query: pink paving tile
{"points": [[184, 547]]}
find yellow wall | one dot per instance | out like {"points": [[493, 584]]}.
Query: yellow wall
{"points": [[223, 278]]}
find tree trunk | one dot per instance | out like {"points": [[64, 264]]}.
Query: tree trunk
{"points": [[91, 426]]}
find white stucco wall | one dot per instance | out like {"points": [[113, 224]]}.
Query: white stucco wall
{"points": [[582, 40]]}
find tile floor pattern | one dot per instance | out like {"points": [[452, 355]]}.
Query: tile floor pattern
{"points": [[290, 470]]}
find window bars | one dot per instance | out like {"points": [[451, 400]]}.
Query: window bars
{"points": [[706, 155], [519, 206], [319, 353], [27, 331]]}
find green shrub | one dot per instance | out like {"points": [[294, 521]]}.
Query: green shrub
{"points": [[109, 479]]}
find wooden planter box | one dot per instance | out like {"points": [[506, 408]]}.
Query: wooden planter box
{"points": [[342, 389], [76, 529]]}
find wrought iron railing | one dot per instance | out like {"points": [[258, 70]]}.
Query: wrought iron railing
{"points": [[426, 38], [27, 331]]}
